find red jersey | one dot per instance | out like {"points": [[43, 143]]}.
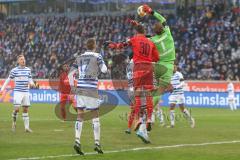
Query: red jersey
{"points": [[144, 50], [64, 85]]}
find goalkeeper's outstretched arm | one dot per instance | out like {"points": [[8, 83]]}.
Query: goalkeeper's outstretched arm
{"points": [[157, 15]]}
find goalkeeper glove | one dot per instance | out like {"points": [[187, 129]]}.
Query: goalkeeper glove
{"points": [[147, 9]]}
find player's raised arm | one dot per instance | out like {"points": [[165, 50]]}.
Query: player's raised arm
{"points": [[157, 15]]}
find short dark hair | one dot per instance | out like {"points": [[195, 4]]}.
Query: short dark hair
{"points": [[140, 29], [158, 28], [91, 43], [20, 55]]}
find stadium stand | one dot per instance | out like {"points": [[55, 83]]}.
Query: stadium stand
{"points": [[207, 41]]}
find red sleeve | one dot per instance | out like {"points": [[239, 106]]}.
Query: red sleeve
{"points": [[119, 45], [155, 54]]}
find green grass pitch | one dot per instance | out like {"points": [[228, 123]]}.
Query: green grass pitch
{"points": [[51, 137]]}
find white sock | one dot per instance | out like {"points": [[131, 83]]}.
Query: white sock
{"points": [[78, 130], [26, 120], [231, 106], [172, 117], [160, 115], [186, 113], [234, 106], [96, 130], [142, 127]]}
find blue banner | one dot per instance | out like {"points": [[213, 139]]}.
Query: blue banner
{"points": [[205, 99], [192, 99]]}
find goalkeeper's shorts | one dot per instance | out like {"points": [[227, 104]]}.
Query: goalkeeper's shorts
{"points": [[163, 73]]}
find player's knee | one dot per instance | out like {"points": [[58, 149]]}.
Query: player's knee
{"points": [[172, 106], [181, 108], [95, 113], [16, 109], [25, 109]]}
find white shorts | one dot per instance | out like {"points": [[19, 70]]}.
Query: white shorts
{"points": [[21, 99], [88, 103], [176, 99], [231, 99]]}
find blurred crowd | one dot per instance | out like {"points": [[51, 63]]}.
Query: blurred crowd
{"points": [[207, 41]]}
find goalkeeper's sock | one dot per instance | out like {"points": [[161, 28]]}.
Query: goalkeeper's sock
{"points": [[172, 117], [78, 131], [26, 120], [131, 118], [149, 101], [156, 100], [96, 130], [153, 117]]}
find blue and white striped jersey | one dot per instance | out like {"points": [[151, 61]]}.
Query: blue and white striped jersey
{"points": [[129, 71], [90, 64], [177, 83], [230, 89], [22, 77]]}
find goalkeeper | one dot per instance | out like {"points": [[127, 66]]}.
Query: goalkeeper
{"points": [[164, 43]]}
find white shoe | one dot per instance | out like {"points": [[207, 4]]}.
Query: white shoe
{"points": [[28, 130], [192, 123], [14, 126], [143, 136]]}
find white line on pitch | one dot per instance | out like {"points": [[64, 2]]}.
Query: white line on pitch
{"points": [[133, 149]]}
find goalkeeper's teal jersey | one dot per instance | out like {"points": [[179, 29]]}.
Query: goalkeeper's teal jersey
{"points": [[164, 42]]}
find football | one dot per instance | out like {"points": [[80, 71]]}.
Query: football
{"points": [[140, 11]]}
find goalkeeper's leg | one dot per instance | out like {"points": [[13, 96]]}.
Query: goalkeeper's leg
{"points": [[163, 72]]}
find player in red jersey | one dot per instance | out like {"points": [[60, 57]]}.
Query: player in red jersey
{"points": [[65, 91], [144, 53]]}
